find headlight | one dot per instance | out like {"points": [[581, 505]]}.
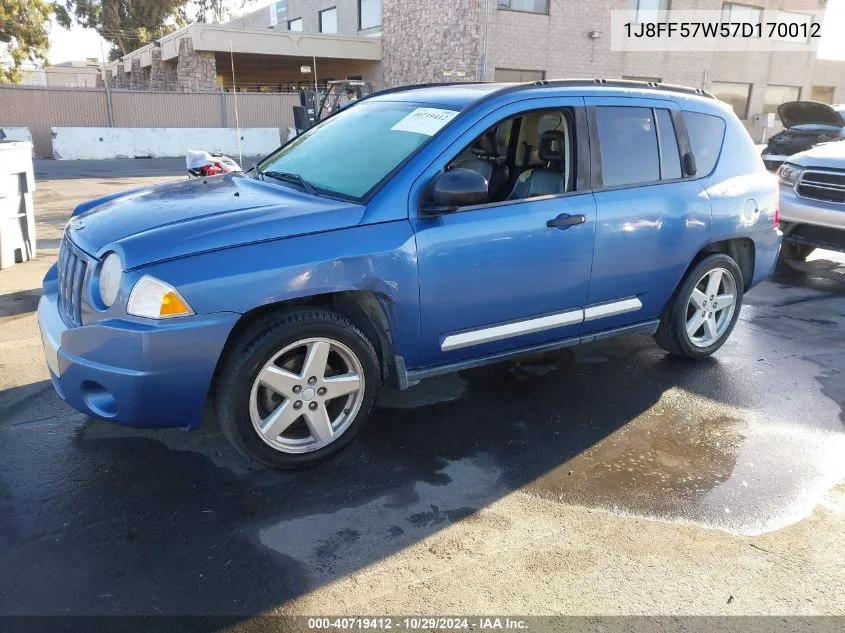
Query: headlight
{"points": [[154, 299], [789, 174], [109, 282]]}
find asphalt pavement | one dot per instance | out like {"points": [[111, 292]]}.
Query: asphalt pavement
{"points": [[603, 479]]}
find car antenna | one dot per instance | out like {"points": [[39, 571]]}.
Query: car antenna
{"points": [[237, 118]]}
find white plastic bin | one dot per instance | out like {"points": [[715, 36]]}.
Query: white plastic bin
{"points": [[17, 217]]}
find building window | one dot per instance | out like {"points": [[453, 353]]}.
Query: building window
{"points": [[801, 23], [823, 94], [328, 20], [655, 80], [777, 95], [527, 6], [509, 75], [648, 11], [734, 94], [369, 14], [741, 14], [295, 25]]}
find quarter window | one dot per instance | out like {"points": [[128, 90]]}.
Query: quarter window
{"points": [[528, 6], [328, 20], [369, 14], [705, 136], [734, 94], [670, 157], [628, 141]]}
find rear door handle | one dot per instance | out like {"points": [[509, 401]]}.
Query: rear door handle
{"points": [[565, 221]]}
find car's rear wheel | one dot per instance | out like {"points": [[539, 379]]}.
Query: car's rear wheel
{"points": [[296, 387], [795, 252], [704, 310]]}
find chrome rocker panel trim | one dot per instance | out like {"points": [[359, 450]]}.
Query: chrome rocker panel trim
{"points": [[539, 324]]}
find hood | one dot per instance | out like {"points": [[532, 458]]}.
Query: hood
{"points": [[192, 216], [808, 112], [827, 155]]}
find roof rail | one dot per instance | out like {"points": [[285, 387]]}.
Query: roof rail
{"points": [[622, 83], [438, 84]]}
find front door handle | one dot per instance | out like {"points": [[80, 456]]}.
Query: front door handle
{"points": [[565, 221]]}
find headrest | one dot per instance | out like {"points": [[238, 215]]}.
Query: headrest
{"points": [[487, 144], [552, 146]]}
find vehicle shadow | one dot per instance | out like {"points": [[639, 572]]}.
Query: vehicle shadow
{"points": [[827, 275], [18, 303], [125, 524]]}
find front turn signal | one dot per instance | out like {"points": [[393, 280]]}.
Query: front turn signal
{"points": [[155, 299]]}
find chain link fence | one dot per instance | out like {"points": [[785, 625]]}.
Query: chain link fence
{"points": [[40, 108]]}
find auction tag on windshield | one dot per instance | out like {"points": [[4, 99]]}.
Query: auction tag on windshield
{"points": [[426, 121]]}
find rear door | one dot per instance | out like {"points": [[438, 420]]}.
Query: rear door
{"points": [[651, 218]]}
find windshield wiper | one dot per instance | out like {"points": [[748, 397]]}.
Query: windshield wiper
{"points": [[291, 177]]}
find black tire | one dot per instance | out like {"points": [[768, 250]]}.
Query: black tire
{"points": [[795, 252], [672, 333], [254, 348]]}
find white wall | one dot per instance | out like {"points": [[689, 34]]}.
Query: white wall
{"points": [[76, 143], [17, 216], [17, 134]]}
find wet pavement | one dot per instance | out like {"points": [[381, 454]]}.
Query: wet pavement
{"points": [[95, 518]]}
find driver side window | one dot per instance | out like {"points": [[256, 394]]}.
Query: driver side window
{"points": [[525, 156]]}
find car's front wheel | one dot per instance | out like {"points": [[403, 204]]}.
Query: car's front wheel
{"points": [[296, 387], [704, 310]]}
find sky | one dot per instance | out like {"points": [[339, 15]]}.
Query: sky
{"points": [[79, 43]]}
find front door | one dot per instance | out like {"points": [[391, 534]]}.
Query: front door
{"points": [[514, 272]]}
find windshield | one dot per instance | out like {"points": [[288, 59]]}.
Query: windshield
{"points": [[351, 152]]}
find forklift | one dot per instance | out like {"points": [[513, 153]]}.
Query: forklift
{"points": [[314, 107]]}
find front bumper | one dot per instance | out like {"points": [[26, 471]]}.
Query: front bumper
{"points": [[809, 211], [812, 222], [148, 375]]}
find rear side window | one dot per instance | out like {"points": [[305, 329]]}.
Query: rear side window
{"points": [[670, 157], [628, 140], [705, 136]]}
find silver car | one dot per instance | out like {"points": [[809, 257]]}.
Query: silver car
{"points": [[812, 201]]}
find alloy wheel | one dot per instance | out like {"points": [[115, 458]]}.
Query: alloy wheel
{"points": [[711, 307], [306, 395]]}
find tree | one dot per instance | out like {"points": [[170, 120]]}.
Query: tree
{"points": [[128, 24], [217, 11], [24, 36]]}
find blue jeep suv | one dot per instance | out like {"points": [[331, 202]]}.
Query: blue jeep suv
{"points": [[419, 231]]}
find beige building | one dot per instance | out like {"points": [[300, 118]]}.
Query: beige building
{"points": [[72, 74], [395, 42]]}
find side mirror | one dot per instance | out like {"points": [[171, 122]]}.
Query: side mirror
{"points": [[456, 188], [689, 164]]}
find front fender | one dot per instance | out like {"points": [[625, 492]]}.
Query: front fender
{"points": [[379, 258]]}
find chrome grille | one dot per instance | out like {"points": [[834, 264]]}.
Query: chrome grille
{"points": [[71, 275], [822, 185]]}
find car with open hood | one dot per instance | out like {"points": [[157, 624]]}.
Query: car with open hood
{"points": [[416, 232], [806, 124]]}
